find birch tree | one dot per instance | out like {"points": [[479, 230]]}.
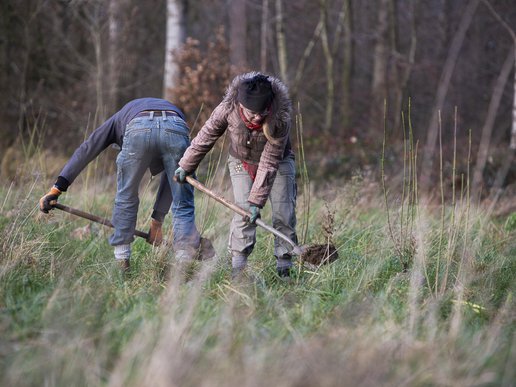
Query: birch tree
{"points": [[113, 52], [176, 34]]}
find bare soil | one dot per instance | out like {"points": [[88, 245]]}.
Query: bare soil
{"points": [[320, 254]]}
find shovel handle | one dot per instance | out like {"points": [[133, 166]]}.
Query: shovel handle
{"points": [[94, 218], [220, 199], [241, 211]]}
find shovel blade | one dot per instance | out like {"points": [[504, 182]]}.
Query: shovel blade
{"points": [[298, 250]]}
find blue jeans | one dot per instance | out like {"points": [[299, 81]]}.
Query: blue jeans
{"points": [[147, 141]]}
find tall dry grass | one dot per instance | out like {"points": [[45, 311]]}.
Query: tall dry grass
{"points": [[423, 294]]}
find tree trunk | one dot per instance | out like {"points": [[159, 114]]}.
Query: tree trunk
{"points": [[113, 54], [264, 35], [237, 34], [442, 89], [347, 64], [330, 86], [302, 62], [281, 42], [487, 129], [99, 75], [403, 75], [381, 56], [513, 131], [176, 32], [509, 157]]}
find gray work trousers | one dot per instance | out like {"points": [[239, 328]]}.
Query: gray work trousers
{"points": [[242, 236]]}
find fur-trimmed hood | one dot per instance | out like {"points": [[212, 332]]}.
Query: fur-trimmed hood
{"points": [[281, 104]]}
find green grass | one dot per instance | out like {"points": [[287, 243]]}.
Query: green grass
{"points": [[68, 317]]}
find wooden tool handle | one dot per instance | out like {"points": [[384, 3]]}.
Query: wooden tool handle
{"points": [[94, 218], [241, 211], [217, 197]]}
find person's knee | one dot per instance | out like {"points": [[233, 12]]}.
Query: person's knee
{"points": [[183, 210]]}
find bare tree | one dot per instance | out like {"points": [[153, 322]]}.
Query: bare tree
{"points": [[513, 36], [65, 58], [487, 129], [328, 55], [347, 63], [504, 169], [92, 17], [442, 89], [113, 53], [302, 62], [380, 60], [281, 41], [264, 35], [237, 34], [176, 34], [402, 68]]}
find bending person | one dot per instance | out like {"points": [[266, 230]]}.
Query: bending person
{"points": [[152, 133], [256, 112]]}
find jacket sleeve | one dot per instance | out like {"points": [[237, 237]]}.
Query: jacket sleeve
{"points": [[99, 140], [214, 127], [268, 166]]}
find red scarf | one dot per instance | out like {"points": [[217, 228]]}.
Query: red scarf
{"points": [[251, 169], [248, 123]]}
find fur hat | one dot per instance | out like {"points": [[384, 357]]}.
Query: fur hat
{"points": [[255, 93]]}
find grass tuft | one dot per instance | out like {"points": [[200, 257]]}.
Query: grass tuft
{"points": [[373, 317]]}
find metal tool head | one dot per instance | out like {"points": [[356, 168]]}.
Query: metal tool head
{"points": [[299, 250]]}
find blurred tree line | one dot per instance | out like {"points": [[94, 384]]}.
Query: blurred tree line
{"points": [[352, 67]]}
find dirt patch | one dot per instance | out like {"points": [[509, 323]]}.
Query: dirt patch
{"points": [[320, 254]]}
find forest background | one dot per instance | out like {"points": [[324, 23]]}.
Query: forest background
{"points": [[404, 128], [440, 71]]}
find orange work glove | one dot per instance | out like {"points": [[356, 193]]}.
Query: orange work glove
{"points": [[155, 233], [46, 203]]}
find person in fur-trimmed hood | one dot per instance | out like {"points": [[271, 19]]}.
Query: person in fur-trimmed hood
{"points": [[256, 112]]}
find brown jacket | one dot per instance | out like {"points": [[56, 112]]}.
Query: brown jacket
{"points": [[247, 145]]}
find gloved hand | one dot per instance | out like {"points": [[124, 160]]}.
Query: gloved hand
{"points": [[155, 233], [46, 203], [180, 175], [255, 213]]}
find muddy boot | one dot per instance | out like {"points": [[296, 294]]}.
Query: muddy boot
{"points": [[283, 265], [125, 266], [242, 276], [283, 272], [206, 250], [122, 256], [237, 274], [185, 263]]}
